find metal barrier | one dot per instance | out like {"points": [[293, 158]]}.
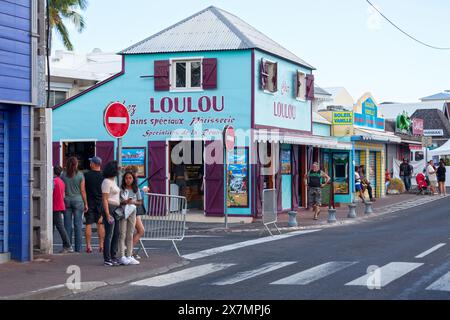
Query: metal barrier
{"points": [[165, 219], [269, 209]]}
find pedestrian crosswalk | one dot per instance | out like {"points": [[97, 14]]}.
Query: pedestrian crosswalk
{"points": [[375, 277]]}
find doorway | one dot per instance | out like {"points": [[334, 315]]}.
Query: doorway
{"points": [[82, 150], [186, 172]]}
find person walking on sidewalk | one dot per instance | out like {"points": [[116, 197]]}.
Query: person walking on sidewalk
{"points": [[406, 171], [59, 208], [93, 180], [441, 171], [75, 201], [431, 174], [314, 179], [130, 198], [111, 201], [358, 186], [365, 183]]}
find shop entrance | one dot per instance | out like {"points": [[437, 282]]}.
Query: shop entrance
{"points": [[82, 150], [187, 177]]}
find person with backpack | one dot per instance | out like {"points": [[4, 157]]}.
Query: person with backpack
{"points": [[406, 171], [314, 180]]}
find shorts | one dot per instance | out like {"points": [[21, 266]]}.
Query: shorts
{"points": [[358, 187], [94, 214], [315, 196]]}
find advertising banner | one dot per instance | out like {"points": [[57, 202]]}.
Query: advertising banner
{"points": [[237, 178], [134, 157]]}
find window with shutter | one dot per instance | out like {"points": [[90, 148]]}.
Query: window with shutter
{"points": [[300, 86], [269, 76], [193, 74], [162, 75]]}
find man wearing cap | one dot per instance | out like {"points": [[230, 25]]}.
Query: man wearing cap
{"points": [[315, 181], [93, 180]]}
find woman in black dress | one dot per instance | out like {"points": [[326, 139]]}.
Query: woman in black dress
{"points": [[441, 171]]}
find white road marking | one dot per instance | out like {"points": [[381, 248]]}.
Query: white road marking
{"points": [[183, 275], [425, 253], [118, 120], [202, 236], [239, 245], [241, 276], [315, 273], [388, 273], [442, 284]]}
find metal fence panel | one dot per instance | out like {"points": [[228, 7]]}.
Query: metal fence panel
{"points": [[165, 219], [269, 209]]}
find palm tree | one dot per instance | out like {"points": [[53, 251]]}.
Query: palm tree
{"points": [[60, 10]]}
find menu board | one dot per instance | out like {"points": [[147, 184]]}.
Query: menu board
{"points": [[237, 178], [285, 161]]}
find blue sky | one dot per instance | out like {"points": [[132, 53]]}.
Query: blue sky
{"points": [[348, 44]]}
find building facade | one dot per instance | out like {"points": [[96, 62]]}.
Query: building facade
{"points": [[187, 89], [18, 96]]}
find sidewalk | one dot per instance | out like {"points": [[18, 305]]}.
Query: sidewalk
{"points": [[46, 276], [305, 217]]}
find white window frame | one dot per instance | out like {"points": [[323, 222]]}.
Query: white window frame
{"points": [[304, 97], [265, 90], [173, 74]]}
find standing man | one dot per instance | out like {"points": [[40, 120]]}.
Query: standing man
{"points": [[93, 181], [406, 171], [314, 179]]}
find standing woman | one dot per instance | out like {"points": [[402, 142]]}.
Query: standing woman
{"points": [[441, 171], [431, 172], [358, 186], [129, 196], [75, 201], [111, 201]]}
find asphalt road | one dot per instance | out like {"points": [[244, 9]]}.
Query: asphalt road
{"points": [[408, 253]]}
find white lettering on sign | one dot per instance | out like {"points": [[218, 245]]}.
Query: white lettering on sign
{"points": [[118, 120], [433, 132]]}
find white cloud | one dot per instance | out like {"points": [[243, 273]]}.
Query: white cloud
{"points": [[374, 19]]}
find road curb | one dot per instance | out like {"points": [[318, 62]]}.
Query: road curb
{"points": [[362, 218], [62, 291]]}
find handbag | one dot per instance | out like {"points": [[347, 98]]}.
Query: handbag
{"points": [[118, 213], [140, 210]]}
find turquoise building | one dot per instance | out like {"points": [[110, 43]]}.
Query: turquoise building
{"points": [[185, 84]]}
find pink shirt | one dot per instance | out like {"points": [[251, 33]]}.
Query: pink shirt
{"points": [[58, 194]]}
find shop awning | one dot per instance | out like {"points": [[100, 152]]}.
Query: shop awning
{"points": [[290, 138], [376, 136]]}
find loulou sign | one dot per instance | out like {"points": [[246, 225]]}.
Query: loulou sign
{"points": [[187, 104]]}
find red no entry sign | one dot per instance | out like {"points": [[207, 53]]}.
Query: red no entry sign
{"points": [[229, 138], [116, 119]]}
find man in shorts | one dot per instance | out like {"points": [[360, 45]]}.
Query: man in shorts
{"points": [[93, 180], [314, 179]]}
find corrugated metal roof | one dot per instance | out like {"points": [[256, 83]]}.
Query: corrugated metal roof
{"points": [[211, 29], [392, 110], [321, 91], [437, 96]]}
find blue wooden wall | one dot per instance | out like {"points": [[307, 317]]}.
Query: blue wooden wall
{"points": [[15, 50]]}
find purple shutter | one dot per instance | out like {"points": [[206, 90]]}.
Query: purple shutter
{"points": [[56, 147], [259, 186], [210, 73], [157, 166], [278, 177], [162, 71], [295, 177], [309, 87], [263, 73], [214, 180], [275, 77], [296, 83], [105, 150]]}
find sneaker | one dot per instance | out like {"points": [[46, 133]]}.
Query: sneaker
{"points": [[136, 256], [133, 261], [116, 262], [124, 261], [108, 263], [70, 250]]}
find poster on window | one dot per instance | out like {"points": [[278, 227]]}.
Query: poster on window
{"points": [[134, 157], [237, 178], [285, 161], [340, 173]]}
